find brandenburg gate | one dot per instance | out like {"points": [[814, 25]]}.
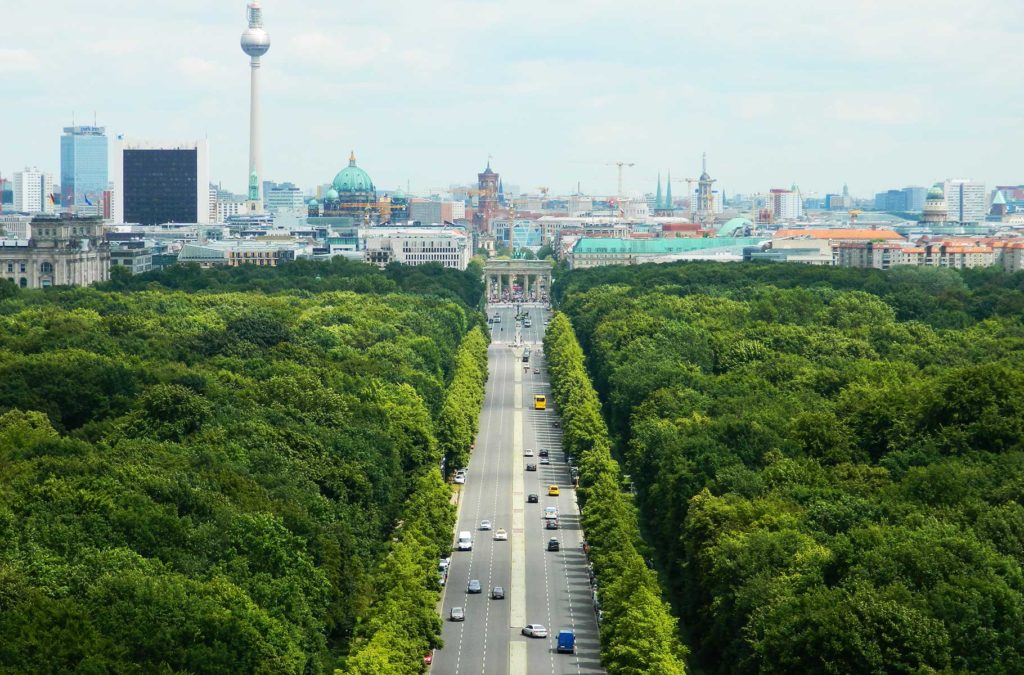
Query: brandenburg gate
{"points": [[534, 277]]}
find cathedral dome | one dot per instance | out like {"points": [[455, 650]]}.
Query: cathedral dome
{"points": [[332, 194], [936, 192], [352, 179]]}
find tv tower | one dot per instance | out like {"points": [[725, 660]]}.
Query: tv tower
{"points": [[255, 42]]}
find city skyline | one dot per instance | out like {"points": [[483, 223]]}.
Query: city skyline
{"points": [[873, 96]]}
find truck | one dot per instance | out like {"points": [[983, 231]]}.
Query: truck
{"points": [[465, 541], [566, 642]]}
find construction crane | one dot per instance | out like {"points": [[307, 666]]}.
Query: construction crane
{"points": [[689, 192], [620, 165]]}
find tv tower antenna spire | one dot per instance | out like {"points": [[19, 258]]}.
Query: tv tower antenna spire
{"points": [[255, 42]]}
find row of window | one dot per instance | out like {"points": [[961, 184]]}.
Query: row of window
{"points": [[44, 268]]}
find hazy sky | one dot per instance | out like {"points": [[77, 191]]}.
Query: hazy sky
{"points": [[876, 93]]}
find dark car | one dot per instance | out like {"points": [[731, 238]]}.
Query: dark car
{"points": [[474, 586], [551, 524], [532, 498], [497, 593], [531, 467], [543, 452], [553, 544]]}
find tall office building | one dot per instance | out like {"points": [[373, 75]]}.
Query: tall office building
{"points": [[786, 204], [33, 191], [966, 200], [278, 197], [157, 183], [83, 168]]}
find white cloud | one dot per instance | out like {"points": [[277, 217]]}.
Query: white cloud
{"points": [[873, 108], [19, 61]]}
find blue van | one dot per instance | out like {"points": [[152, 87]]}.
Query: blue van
{"points": [[566, 642]]}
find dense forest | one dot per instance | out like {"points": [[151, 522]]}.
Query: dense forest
{"points": [[828, 463], [221, 480]]}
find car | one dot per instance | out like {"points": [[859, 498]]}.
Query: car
{"points": [[532, 498], [545, 460], [528, 452], [553, 544], [474, 586], [531, 467], [552, 491], [566, 642], [497, 593], [460, 479], [550, 512], [551, 524], [535, 630], [457, 614], [500, 535], [428, 659], [485, 524], [536, 371], [544, 452]]}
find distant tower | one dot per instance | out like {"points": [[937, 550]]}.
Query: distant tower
{"points": [[487, 205], [935, 208], [659, 203], [999, 207], [255, 42], [668, 193], [705, 192]]}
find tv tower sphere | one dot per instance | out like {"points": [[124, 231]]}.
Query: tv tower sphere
{"points": [[255, 41]]}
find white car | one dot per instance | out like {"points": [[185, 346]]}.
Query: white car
{"points": [[550, 512], [528, 452], [545, 460], [485, 524], [460, 479], [500, 535], [535, 630]]}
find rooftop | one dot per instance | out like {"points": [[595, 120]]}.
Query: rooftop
{"points": [[660, 246], [838, 233]]}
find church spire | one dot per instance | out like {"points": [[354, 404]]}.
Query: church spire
{"points": [[658, 203], [352, 159], [668, 192]]}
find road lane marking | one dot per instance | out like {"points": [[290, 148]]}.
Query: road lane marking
{"points": [[517, 600]]}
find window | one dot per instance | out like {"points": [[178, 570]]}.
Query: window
{"points": [[23, 283], [10, 268], [22, 266], [46, 268]]}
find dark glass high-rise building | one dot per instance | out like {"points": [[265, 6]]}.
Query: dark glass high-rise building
{"points": [[156, 184], [160, 186], [83, 167]]}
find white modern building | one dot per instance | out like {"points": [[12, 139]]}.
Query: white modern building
{"points": [[966, 201], [278, 197], [32, 191], [786, 204], [451, 248], [155, 182]]}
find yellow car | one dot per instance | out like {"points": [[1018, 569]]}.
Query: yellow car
{"points": [[552, 491]]}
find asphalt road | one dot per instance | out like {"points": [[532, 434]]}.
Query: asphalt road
{"points": [[550, 588]]}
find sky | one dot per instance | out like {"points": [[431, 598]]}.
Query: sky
{"points": [[877, 94]]}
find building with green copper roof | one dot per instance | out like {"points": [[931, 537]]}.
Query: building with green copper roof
{"points": [[595, 252]]}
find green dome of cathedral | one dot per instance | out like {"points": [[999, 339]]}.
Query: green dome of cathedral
{"points": [[352, 179]]}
